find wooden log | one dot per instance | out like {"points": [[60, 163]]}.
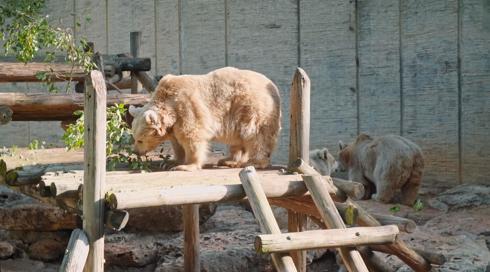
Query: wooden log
{"points": [[76, 253], [3, 172], [263, 214], [26, 72], [198, 194], [399, 248], [134, 47], [373, 261], [58, 107], [297, 222], [404, 224], [148, 83], [191, 238], [37, 217], [331, 238], [94, 165], [69, 201], [116, 219], [302, 167], [5, 115], [24, 176], [330, 215], [299, 146], [352, 189]]}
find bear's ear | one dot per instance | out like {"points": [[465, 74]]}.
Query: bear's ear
{"points": [[134, 110], [363, 137], [345, 157], [151, 118], [325, 154], [342, 145]]}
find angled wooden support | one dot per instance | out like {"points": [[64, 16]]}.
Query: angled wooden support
{"points": [[331, 238], [134, 47], [299, 147], [95, 166], [330, 215], [76, 252], [263, 214], [191, 238]]}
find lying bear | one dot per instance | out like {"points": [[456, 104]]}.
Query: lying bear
{"points": [[240, 108], [390, 163]]}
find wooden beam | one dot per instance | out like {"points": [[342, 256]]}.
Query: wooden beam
{"points": [[191, 238], [134, 47], [302, 167], [26, 72], [94, 165], [263, 214], [116, 219], [352, 189], [148, 83], [58, 107], [330, 215], [299, 146], [76, 253], [331, 238], [404, 224]]}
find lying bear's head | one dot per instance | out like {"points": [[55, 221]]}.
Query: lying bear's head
{"points": [[149, 128]]}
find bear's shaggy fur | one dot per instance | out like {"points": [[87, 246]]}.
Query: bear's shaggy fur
{"points": [[389, 162], [240, 108], [323, 161]]}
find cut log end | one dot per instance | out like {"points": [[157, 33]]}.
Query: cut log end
{"points": [[111, 200], [116, 219]]}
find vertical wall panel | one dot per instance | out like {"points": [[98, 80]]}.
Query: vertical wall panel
{"points": [[475, 85], [430, 83], [167, 37], [263, 37], [328, 52], [127, 16], [379, 67], [92, 15], [202, 35]]}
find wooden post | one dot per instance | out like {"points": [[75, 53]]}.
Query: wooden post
{"points": [[191, 238], [330, 215], [299, 146], [76, 253], [134, 47], [94, 165], [263, 214], [331, 238]]}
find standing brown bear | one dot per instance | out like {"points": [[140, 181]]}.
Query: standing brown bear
{"points": [[390, 163], [240, 108]]}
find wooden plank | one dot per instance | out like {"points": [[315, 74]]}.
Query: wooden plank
{"points": [[379, 67], [430, 87], [328, 55], [297, 222], [263, 213], [263, 36], [94, 165], [167, 37], [92, 17], [20, 72], [191, 238], [42, 106], [299, 147], [475, 94], [127, 16], [76, 253], [202, 35], [330, 215], [332, 238]]}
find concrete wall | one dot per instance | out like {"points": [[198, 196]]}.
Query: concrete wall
{"points": [[419, 68]]}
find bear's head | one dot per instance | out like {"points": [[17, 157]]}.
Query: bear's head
{"points": [[150, 127], [344, 155], [327, 159]]}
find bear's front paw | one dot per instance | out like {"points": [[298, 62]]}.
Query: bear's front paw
{"points": [[185, 167], [229, 163]]}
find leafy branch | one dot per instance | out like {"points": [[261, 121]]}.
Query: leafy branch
{"points": [[26, 31]]}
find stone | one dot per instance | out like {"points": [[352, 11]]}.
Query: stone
{"points": [[462, 196], [6, 250], [47, 250], [163, 218]]}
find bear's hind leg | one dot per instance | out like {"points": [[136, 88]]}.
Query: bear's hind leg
{"points": [[385, 186], [261, 155], [410, 190]]}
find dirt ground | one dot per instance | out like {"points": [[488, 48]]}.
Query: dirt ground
{"points": [[452, 221]]}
